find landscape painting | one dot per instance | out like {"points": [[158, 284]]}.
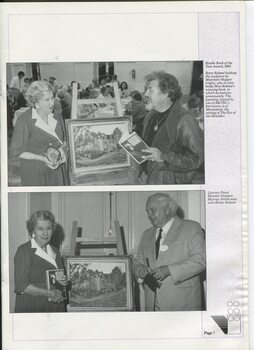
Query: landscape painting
{"points": [[100, 283], [94, 145]]}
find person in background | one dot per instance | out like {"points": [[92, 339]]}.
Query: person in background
{"points": [[170, 257], [31, 262], [10, 108], [94, 84], [78, 88], [20, 99], [39, 140], [195, 107], [94, 93], [53, 82], [138, 112], [65, 100], [17, 82], [176, 141], [105, 80], [115, 80], [124, 92], [27, 83]]}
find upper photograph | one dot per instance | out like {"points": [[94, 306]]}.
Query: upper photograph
{"points": [[105, 123]]}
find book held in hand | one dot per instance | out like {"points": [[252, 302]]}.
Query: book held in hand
{"points": [[135, 146], [52, 278]]}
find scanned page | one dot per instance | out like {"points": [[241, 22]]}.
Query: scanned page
{"points": [[136, 205]]}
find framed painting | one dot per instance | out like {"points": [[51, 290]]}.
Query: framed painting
{"points": [[94, 145], [101, 283]]}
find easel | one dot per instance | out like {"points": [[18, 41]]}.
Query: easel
{"points": [[118, 243], [114, 176]]}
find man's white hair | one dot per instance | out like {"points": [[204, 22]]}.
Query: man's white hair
{"points": [[167, 199]]}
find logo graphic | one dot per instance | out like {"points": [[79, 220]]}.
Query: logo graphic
{"points": [[231, 323], [222, 322]]}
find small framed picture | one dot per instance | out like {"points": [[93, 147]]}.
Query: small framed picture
{"points": [[52, 277], [94, 145], [100, 283]]}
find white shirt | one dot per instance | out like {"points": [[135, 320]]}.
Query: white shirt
{"points": [[50, 127], [165, 230], [17, 83], [50, 255]]}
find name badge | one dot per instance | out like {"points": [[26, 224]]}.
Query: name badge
{"points": [[163, 248]]}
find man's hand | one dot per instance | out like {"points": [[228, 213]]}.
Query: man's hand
{"points": [[143, 272], [153, 154], [161, 272]]}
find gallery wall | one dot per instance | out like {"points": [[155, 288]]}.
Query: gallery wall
{"points": [[65, 72]]}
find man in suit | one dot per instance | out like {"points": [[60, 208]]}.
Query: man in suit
{"points": [[170, 257]]}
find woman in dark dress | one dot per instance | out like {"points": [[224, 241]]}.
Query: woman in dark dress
{"points": [[39, 140], [31, 262]]}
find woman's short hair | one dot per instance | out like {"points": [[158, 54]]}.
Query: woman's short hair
{"points": [[167, 83], [39, 215], [36, 91]]}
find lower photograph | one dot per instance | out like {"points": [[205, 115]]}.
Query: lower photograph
{"points": [[107, 251]]}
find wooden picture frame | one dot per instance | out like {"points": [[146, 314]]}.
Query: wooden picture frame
{"points": [[100, 283], [94, 145]]}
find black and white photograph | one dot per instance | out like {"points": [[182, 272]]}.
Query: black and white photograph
{"points": [[119, 251], [163, 102], [123, 175]]}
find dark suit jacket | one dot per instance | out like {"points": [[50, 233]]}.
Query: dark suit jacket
{"points": [[185, 258]]}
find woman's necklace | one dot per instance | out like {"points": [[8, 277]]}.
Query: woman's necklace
{"points": [[159, 122]]}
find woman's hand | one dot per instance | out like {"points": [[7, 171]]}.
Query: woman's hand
{"points": [[154, 155], [63, 280], [50, 164], [55, 295], [63, 156]]}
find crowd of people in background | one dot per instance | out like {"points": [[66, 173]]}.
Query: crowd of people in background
{"points": [[147, 109], [134, 103]]}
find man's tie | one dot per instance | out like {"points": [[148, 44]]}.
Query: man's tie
{"points": [[157, 243]]}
